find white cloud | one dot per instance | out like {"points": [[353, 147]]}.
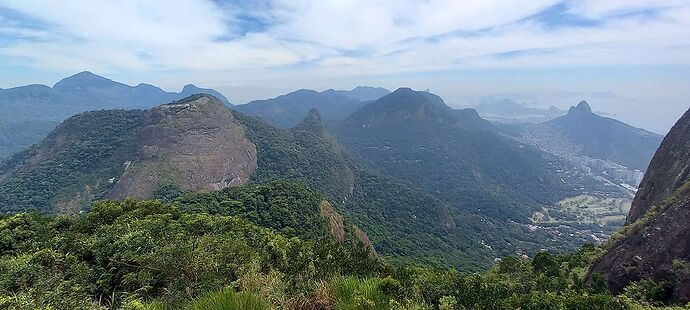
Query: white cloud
{"points": [[344, 36], [297, 43]]}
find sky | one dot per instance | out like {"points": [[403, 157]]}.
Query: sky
{"points": [[629, 59]]}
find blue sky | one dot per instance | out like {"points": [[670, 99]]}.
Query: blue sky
{"points": [[628, 58]]}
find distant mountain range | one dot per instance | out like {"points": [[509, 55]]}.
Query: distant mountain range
{"points": [[583, 133], [511, 111], [43, 107], [334, 105]]}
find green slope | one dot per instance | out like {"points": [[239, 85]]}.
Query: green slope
{"points": [[454, 155], [404, 224]]}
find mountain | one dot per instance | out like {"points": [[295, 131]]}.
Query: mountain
{"points": [[654, 243], [191, 89], [364, 93], [405, 224], [17, 135], [583, 133], [270, 244], [511, 111], [194, 144], [288, 110], [198, 144], [454, 155], [668, 171], [44, 106], [379, 204]]}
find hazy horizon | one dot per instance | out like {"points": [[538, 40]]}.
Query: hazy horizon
{"points": [[628, 60]]}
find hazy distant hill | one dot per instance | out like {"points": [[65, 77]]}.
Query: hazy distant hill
{"points": [[363, 93], [581, 132], [17, 135], [510, 111], [44, 106], [334, 105]]}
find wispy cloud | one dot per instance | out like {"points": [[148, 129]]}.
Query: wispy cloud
{"points": [[343, 36], [281, 41]]}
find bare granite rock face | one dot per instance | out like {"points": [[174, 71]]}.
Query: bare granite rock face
{"points": [[656, 240], [194, 144], [669, 169]]}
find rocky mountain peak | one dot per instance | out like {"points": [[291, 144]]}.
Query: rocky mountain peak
{"points": [[312, 122], [195, 143], [196, 99], [314, 113], [191, 89], [403, 91], [581, 108]]}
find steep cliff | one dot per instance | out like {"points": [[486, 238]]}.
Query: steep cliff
{"points": [[655, 244], [195, 144], [669, 169]]}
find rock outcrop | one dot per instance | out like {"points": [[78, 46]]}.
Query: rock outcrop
{"points": [[195, 144], [669, 169], [582, 107], [655, 244], [192, 144]]}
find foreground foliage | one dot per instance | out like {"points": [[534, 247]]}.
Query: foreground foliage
{"points": [[261, 247]]}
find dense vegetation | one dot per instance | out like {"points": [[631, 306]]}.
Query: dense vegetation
{"points": [[457, 157], [153, 255], [72, 165], [124, 252], [79, 161], [404, 224]]}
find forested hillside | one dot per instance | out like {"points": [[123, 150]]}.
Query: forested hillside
{"points": [[316, 229], [258, 247], [405, 224], [457, 156], [194, 143], [72, 165], [197, 144]]}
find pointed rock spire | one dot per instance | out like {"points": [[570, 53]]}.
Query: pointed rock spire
{"points": [[312, 122], [581, 108]]}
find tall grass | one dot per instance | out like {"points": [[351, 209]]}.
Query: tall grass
{"points": [[354, 293], [228, 299]]}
